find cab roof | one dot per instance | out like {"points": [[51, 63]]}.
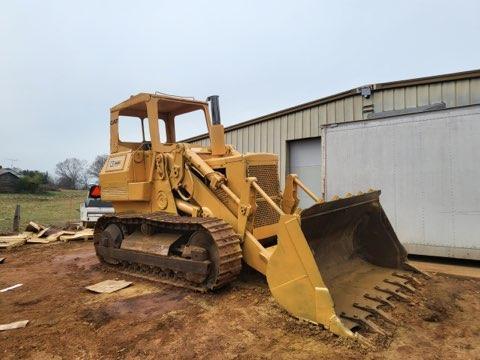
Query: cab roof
{"points": [[167, 104]]}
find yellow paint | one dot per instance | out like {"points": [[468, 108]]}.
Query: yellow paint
{"points": [[162, 175]]}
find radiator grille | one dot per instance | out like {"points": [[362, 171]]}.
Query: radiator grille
{"points": [[267, 178], [224, 198]]}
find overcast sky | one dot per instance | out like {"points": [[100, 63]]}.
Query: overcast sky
{"points": [[63, 64]]}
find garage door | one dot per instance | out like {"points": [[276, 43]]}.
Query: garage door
{"points": [[305, 161]]}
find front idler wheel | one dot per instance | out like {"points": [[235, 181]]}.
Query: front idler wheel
{"points": [[110, 237], [201, 247]]}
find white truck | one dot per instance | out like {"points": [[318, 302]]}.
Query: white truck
{"points": [[93, 207]]}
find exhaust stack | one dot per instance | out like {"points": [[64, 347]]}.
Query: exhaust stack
{"points": [[215, 108], [217, 133]]}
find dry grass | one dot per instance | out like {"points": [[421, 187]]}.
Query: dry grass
{"points": [[52, 208]]}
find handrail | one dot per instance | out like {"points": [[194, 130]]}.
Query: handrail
{"points": [[230, 193], [262, 193], [267, 198], [307, 190]]}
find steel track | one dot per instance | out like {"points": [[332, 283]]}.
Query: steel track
{"points": [[227, 243]]}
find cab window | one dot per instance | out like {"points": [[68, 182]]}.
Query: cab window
{"points": [[190, 124], [133, 130]]}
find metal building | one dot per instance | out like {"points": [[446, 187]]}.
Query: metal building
{"points": [[417, 140]]}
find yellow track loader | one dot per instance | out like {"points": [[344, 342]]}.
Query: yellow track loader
{"points": [[190, 216]]}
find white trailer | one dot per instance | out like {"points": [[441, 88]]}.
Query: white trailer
{"points": [[428, 168]]}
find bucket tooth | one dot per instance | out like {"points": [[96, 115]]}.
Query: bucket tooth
{"points": [[401, 285], [394, 293], [411, 279], [374, 327], [351, 324], [364, 323], [385, 316], [362, 317], [379, 299], [413, 268], [374, 311]]}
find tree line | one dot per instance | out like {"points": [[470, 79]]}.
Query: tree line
{"points": [[71, 173]]}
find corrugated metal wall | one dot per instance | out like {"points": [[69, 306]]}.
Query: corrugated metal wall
{"points": [[271, 135]]}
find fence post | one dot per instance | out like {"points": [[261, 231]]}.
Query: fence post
{"points": [[16, 219]]}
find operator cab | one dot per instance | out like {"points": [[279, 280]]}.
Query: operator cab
{"points": [[156, 115]]}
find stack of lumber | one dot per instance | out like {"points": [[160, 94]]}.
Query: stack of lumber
{"points": [[39, 234], [11, 241]]}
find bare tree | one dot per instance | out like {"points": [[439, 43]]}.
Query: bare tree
{"points": [[96, 166], [72, 173]]}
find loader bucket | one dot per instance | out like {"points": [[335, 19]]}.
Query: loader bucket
{"points": [[340, 265]]}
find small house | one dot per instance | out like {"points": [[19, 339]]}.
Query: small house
{"points": [[8, 180]]}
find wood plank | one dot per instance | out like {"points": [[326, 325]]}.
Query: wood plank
{"points": [[43, 233], [109, 286], [56, 235], [37, 240], [11, 287], [86, 234], [34, 227], [14, 325]]}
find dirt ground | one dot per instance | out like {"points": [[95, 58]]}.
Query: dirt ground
{"points": [[152, 321]]}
